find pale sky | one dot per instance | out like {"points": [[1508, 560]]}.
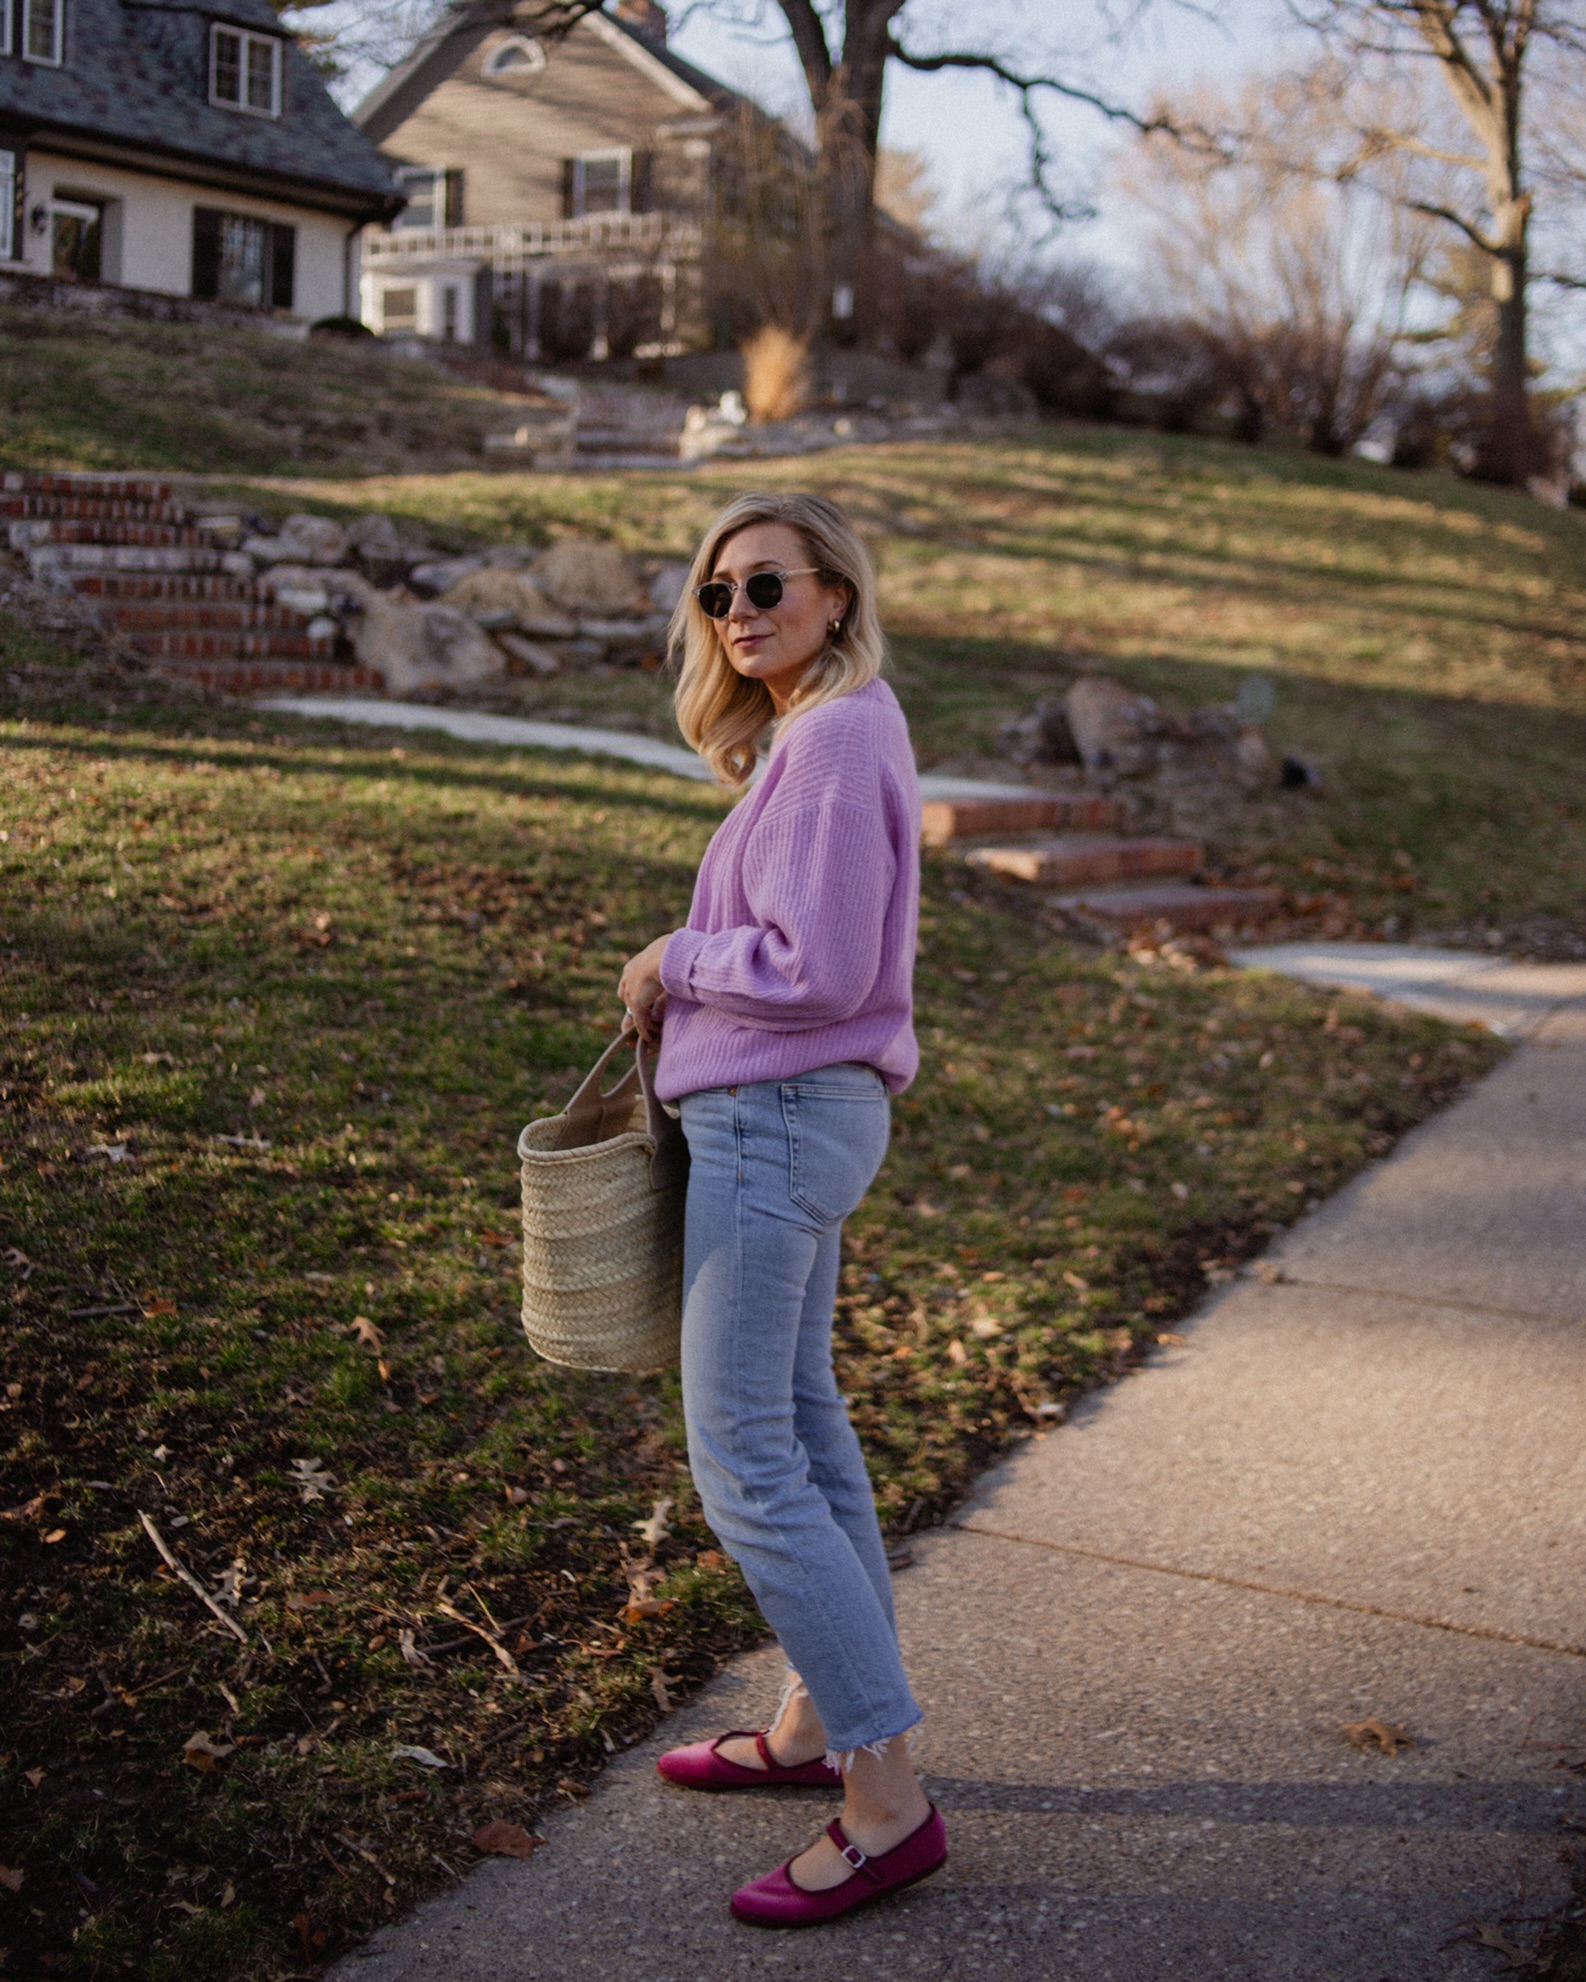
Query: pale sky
{"points": [[969, 126]]}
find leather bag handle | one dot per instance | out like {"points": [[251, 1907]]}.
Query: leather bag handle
{"points": [[592, 1115]]}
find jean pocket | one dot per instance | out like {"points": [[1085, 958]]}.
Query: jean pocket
{"points": [[836, 1135]]}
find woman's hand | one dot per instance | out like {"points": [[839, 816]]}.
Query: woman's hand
{"points": [[641, 990]]}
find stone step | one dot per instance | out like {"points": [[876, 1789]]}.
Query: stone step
{"points": [[105, 530], [945, 819], [241, 611], [282, 677], [66, 562], [32, 505], [234, 644], [125, 488], [167, 587], [1080, 858], [1183, 906]]}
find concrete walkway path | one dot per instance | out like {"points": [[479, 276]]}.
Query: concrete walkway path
{"points": [[1465, 986], [1355, 1488], [516, 732]]}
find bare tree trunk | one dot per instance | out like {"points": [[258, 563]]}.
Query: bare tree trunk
{"points": [[1510, 446], [846, 95]]}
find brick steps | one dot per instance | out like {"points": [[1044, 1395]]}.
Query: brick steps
{"points": [[122, 488], [946, 819], [1115, 881], [1082, 858], [83, 508], [73, 558], [191, 645], [234, 677], [242, 613], [168, 586], [101, 530], [172, 586]]}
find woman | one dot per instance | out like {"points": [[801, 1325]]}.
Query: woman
{"points": [[786, 1004]]}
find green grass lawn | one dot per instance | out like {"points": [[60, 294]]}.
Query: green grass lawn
{"points": [[1427, 637], [78, 392], [275, 999]]}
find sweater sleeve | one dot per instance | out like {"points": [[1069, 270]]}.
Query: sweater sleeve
{"points": [[818, 876]]}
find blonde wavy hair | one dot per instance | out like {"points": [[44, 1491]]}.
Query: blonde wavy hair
{"points": [[721, 713]]}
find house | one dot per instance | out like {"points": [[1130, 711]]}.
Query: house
{"points": [[185, 147], [560, 192]]}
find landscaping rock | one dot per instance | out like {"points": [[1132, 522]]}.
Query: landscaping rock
{"points": [[528, 656], [301, 539], [310, 588], [431, 580], [1042, 737], [1116, 732], [424, 646], [491, 591], [374, 535], [668, 586], [590, 579], [379, 550], [315, 539], [1254, 764]]}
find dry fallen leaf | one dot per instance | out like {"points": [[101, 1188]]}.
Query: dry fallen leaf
{"points": [[658, 1686], [34, 1777], [55, 1535], [309, 1600], [12, 1881], [407, 1751], [506, 1840], [1485, 1935], [310, 1475], [409, 1649], [654, 1529], [1380, 1735], [199, 1751], [367, 1333], [957, 1354]]}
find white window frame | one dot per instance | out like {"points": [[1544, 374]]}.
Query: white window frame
{"points": [[496, 63], [624, 156], [8, 205], [57, 9], [247, 42], [5, 27], [436, 174]]}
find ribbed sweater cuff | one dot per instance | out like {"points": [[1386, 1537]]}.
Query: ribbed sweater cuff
{"points": [[677, 961]]}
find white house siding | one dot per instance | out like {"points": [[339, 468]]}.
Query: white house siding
{"points": [[148, 234]]}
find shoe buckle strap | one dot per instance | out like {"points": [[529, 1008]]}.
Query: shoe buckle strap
{"points": [[849, 1851]]}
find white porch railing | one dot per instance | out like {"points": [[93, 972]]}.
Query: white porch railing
{"points": [[509, 246]]}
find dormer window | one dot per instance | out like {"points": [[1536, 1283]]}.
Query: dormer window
{"points": [[43, 31], [518, 57], [244, 70]]}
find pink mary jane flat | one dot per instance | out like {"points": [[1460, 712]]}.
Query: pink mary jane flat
{"points": [[702, 1766], [775, 1901]]}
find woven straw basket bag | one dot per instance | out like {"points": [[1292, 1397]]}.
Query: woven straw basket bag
{"points": [[603, 1190]]}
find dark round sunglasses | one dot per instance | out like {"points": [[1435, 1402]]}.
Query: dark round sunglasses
{"points": [[763, 590]]}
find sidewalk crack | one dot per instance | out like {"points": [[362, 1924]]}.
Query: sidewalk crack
{"points": [[1489, 1632]]}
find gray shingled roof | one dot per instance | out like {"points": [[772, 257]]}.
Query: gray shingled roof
{"points": [[137, 71]]}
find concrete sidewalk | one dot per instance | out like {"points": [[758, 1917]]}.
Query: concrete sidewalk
{"points": [[518, 733], [1356, 1491]]}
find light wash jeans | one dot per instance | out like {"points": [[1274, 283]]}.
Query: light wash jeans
{"points": [[776, 1166]]}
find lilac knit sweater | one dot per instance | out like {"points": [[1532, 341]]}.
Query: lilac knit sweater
{"points": [[799, 949]]}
